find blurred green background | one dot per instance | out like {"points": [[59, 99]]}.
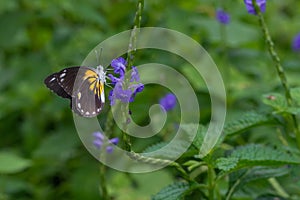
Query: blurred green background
{"points": [[41, 156]]}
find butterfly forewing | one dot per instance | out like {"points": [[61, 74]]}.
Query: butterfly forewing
{"points": [[52, 83], [82, 86]]}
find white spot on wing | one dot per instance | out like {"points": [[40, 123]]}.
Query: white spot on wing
{"points": [[61, 80], [62, 75], [79, 95], [79, 105], [94, 113], [52, 79], [87, 113]]}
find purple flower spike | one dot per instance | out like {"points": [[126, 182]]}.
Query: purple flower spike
{"points": [[250, 7], [119, 65], [168, 102], [296, 43], [222, 16]]}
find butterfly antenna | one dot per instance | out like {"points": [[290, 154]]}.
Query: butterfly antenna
{"points": [[98, 55]]}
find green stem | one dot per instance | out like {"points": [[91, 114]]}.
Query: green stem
{"points": [[102, 187], [211, 182], [233, 188], [279, 68]]}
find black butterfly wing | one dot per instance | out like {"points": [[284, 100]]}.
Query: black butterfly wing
{"points": [[89, 98], [52, 83]]}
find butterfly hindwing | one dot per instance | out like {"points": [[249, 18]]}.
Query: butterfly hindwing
{"points": [[87, 102], [82, 86]]}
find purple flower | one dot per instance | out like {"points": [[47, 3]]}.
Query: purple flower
{"points": [[250, 7], [296, 43], [168, 102], [222, 16], [120, 93], [125, 95], [99, 141], [136, 89], [119, 65], [134, 75]]}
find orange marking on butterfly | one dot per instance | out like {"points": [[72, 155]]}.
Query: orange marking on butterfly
{"points": [[90, 74], [96, 86]]}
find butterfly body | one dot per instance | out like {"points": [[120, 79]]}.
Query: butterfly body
{"points": [[84, 86]]}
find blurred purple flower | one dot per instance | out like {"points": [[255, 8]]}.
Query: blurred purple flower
{"points": [[168, 102], [296, 43], [99, 140], [222, 16], [250, 8]]}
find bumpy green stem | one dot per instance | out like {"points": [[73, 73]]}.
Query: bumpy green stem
{"points": [[130, 56], [279, 69]]}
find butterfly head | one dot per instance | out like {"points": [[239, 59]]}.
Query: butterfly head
{"points": [[101, 73]]}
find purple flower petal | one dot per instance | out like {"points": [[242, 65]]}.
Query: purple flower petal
{"points": [[296, 43], [168, 102], [250, 8], [115, 141], [98, 135], [121, 94], [222, 16], [98, 143], [109, 149], [119, 65], [113, 79], [134, 74]]}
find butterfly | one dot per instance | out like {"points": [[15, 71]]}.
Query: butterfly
{"points": [[84, 86]]}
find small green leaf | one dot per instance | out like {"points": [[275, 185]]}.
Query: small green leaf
{"points": [[12, 163], [227, 164], [174, 191]]}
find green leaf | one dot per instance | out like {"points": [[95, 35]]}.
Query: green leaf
{"points": [[239, 178], [247, 121], [174, 191], [12, 163], [256, 155]]}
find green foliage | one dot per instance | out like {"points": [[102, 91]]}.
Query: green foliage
{"points": [[246, 121], [256, 157], [172, 192]]}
